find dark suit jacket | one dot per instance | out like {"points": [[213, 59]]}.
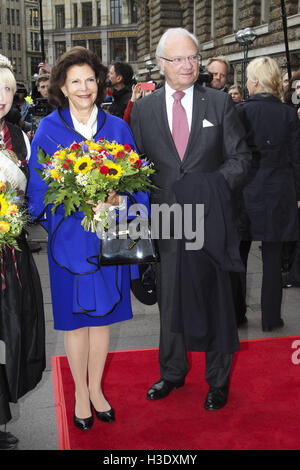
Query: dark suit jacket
{"points": [[219, 147], [268, 202]]}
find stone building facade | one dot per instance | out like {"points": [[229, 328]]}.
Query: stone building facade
{"points": [[215, 23], [20, 36], [108, 27]]}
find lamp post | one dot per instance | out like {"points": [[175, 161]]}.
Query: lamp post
{"points": [[42, 32], [245, 37], [149, 66]]}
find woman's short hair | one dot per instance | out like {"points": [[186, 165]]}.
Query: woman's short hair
{"points": [[76, 56], [8, 77], [267, 72]]}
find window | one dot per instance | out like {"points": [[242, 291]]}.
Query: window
{"points": [[75, 14], [87, 14], [1, 47], [12, 17], [8, 41], [34, 41], [60, 48], [18, 17], [117, 49], [134, 18], [19, 42], [98, 13], [7, 16], [13, 41], [95, 46], [59, 16], [34, 17], [132, 49], [115, 11], [79, 42]]}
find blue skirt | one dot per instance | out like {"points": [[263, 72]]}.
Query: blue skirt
{"points": [[84, 294]]}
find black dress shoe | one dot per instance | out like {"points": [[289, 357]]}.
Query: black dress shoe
{"points": [[84, 424], [105, 416], [216, 398], [162, 388], [273, 327], [7, 441]]}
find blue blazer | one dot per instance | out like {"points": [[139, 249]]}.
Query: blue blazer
{"points": [[89, 291]]}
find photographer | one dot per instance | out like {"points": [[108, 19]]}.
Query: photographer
{"points": [[120, 77], [41, 106]]}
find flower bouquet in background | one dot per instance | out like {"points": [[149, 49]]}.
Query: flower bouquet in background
{"points": [[83, 175], [12, 216]]}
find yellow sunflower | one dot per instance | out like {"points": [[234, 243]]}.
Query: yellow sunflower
{"points": [[4, 226], [55, 174], [83, 165], [3, 205], [115, 170]]}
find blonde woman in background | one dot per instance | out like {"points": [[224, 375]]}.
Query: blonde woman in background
{"points": [[268, 201]]}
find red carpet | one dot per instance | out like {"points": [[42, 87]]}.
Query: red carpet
{"points": [[263, 411]]}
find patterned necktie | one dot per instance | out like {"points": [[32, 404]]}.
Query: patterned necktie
{"points": [[180, 127]]}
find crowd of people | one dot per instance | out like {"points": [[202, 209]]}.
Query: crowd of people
{"points": [[207, 142]]}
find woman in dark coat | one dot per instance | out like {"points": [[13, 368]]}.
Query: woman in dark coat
{"points": [[268, 206], [22, 324]]}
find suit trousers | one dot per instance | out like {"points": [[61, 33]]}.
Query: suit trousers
{"points": [[271, 290], [172, 352]]}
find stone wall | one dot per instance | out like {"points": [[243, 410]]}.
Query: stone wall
{"points": [[216, 33]]}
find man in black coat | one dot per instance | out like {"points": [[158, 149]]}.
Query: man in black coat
{"points": [[215, 143], [120, 76]]}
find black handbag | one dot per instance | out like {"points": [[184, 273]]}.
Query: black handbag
{"points": [[117, 247]]}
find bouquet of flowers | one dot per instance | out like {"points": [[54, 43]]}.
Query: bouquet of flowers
{"points": [[12, 217], [82, 175]]}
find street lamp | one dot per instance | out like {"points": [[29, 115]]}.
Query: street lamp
{"points": [[149, 66], [245, 37]]}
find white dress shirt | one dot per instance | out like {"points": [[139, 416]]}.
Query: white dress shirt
{"points": [[187, 103], [87, 130]]}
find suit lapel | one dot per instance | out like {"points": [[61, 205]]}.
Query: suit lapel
{"points": [[199, 109], [159, 113]]}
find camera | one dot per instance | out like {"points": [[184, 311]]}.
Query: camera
{"points": [[204, 77], [40, 109]]}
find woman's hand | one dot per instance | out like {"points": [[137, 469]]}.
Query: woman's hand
{"points": [[136, 92], [111, 200]]}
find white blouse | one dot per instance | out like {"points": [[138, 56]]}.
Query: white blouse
{"points": [[87, 130]]}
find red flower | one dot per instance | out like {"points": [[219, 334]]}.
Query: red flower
{"points": [[121, 154], [127, 147], [75, 146], [138, 164], [68, 161], [104, 170], [66, 166]]}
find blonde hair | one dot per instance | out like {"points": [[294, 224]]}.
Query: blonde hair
{"points": [[221, 59], [267, 72], [8, 77]]}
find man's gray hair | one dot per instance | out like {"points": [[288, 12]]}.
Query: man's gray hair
{"points": [[169, 32]]}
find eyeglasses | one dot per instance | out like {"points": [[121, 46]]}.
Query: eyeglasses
{"points": [[181, 60]]}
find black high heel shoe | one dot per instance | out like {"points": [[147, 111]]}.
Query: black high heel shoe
{"points": [[105, 416], [84, 424]]}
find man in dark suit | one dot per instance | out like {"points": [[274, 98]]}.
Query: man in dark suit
{"points": [[197, 130]]}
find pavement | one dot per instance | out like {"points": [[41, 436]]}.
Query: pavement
{"points": [[34, 417]]}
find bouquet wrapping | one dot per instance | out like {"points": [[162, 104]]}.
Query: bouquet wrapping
{"points": [[81, 176]]}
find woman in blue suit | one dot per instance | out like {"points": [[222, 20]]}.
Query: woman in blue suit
{"points": [[86, 299]]}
